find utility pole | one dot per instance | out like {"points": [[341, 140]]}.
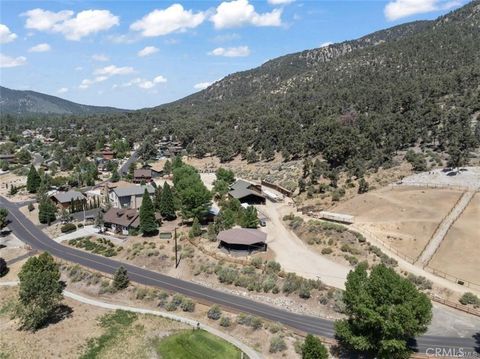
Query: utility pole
{"points": [[176, 250]]}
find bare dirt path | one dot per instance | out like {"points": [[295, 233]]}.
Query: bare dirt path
{"points": [[293, 254], [443, 228]]}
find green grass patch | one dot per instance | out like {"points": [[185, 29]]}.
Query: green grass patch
{"points": [[116, 325], [196, 344]]}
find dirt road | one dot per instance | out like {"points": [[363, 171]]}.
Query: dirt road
{"points": [[293, 254]]}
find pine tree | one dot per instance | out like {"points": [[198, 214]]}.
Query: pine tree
{"points": [[46, 211], [313, 348], [157, 198], [167, 167], [115, 176], [167, 206], [33, 180], [120, 279], [250, 218], [148, 224]]}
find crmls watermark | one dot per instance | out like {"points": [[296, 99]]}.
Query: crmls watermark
{"points": [[450, 353]]}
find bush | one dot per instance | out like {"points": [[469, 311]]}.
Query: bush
{"points": [[275, 328], [256, 262], [187, 305], [469, 298], [313, 348], [327, 250], [420, 281], [277, 344], [225, 322], [68, 228], [250, 321], [304, 291], [214, 312], [31, 207], [3, 267], [273, 267]]}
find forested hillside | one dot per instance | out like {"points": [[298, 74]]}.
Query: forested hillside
{"points": [[357, 103], [23, 103]]}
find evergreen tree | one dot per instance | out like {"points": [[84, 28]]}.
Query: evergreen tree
{"points": [[3, 267], [177, 162], [211, 234], [313, 348], [167, 167], [33, 180], [384, 311], [157, 198], [120, 279], [3, 217], [40, 291], [363, 186], [148, 224], [115, 176], [99, 221], [167, 205], [46, 211]]}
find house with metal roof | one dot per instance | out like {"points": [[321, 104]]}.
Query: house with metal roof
{"points": [[247, 192], [243, 239], [129, 196]]}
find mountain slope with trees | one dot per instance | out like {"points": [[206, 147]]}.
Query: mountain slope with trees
{"points": [[21, 103]]}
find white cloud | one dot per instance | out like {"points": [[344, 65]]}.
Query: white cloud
{"points": [[172, 19], [201, 85], [86, 83], [7, 61], [240, 12], [40, 48], [240, 51], [280, 2], [62, 90], [146, 51], [159, 79], [325, 44], [398, 9], [144, 83], [112, 70], [73, 28], [100, 57], [122, 39], [6, 35]]}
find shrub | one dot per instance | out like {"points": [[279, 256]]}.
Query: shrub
{"points": [[225, 322], [273, 267], [187, 305], [275, 328], [250, 321], [420, 281], [469, 298], [277, 344], [80, 225], [304, 291], [31, 207], [141, 293], [256, 262], [227, 275], [214, 312], [292, 283], [170, 306], [327, 250], [3, 267], [68, 228]]}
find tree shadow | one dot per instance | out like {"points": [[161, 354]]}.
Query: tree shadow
{"points": [[61, 312], [477, 342], [341, 352]]}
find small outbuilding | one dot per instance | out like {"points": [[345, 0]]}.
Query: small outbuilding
{"points": [[243, 239]]}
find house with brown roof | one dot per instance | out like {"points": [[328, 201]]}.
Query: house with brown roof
{"points": [[243, 239], [64, 199], [121, 220], [142, 175], [247, 192], [129, 196]]}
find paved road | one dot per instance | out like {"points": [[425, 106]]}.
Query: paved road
{"points": [[124, 169], [29, 233]]}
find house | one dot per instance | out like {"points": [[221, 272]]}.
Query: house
{"points": [[243, 239], [128, 196], [121, 220], [107, 154], [142, 175], [64, 199], [247, 192]]}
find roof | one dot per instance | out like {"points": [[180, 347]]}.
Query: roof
{"points": [[65, 197], [121, 216], [133, 190], [142, 172], [242, 189], [245, 236]]}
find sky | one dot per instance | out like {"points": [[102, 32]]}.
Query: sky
{"points": [[136, 54]]}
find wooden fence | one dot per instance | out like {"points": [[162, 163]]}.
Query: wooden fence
{"points": [[452, 278]]}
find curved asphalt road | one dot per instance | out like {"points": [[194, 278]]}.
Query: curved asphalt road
{"points": [[25, 230]]}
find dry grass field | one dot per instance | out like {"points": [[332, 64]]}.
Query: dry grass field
{"points": [[459, 252], [403, 217]]}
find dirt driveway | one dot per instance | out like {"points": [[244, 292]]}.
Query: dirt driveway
{"points": [[293, 254]]}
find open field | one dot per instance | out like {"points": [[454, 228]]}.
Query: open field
{"points": [[403, 217], [196, 344], [459, 253]]}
